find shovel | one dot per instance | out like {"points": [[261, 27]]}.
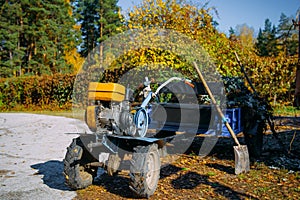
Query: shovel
{"points": [[242, 163]]}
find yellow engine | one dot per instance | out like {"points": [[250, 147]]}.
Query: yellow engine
{"points": [[110, 109], [106, 92]]}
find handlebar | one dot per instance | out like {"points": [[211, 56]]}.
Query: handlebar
{"points": [[151, 94], [189, 82], [186, 81]]}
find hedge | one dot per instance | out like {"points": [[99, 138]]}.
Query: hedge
{"points": [[37, 92], [274, 80]]}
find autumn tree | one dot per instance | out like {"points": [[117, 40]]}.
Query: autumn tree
{"points": [[245, 35], [73, 57], [197, 23], [193, 21]]}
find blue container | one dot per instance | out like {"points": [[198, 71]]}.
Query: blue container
{"points": [[234, 118]]}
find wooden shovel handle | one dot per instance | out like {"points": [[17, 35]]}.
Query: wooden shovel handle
{"points": [[215, 104]]}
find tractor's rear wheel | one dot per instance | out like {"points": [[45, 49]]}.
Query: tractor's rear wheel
{"points": [[77, 174], [255, 141], [145, 170]]}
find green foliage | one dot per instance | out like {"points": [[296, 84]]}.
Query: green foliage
{"points": [[239, 95], [266, 40], [10, 51], [282, 110], [34, 37], [272, 76], [287, 36], [272, 41], [211, 173], [99, 19], [192, 22]]}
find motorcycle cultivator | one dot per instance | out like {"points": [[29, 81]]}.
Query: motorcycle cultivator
{"points": [[120, 131]]}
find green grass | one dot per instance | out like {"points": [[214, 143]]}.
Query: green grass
{"points": [[278, 111], [68, 114], [211, 174], [298, 175], [286, 111], [261, 191]]}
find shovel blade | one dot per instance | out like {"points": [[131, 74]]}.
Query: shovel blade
{"points": [[242, 162]]}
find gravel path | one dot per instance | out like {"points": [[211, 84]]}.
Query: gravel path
{"points": [[32, 148]]}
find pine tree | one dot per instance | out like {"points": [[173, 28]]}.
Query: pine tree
{"points": [[99, 19], [261, 44], [232, 34], [51, 31], [11, 51], [35, 36], [266, 44], [287, 35]]}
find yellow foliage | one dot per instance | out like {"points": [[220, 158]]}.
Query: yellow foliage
{"points": [[186, 23], [73, 57], [77, 27], [197, 24]]}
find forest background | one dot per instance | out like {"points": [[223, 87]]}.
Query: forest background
{"points": [[43, 45]]}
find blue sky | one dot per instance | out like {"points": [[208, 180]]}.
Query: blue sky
{"points": [[237, 12]]}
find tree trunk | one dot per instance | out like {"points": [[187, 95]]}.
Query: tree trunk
{"points": [[101, 35], [297, 90]]}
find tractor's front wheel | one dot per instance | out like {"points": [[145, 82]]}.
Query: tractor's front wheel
{"points": [[145, 170], [77, 174]]}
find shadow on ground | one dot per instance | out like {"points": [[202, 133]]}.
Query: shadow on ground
{"points": [[118, 185], [285, 155], [52, 174], [192, 179]]}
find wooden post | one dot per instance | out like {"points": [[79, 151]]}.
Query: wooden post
{"points": [[297, 90]]}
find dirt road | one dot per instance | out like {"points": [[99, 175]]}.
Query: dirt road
{"points": [[32, 148]]}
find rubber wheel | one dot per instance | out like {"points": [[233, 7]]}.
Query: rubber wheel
{"points": [[144, 170], [255, 142], [76, 174]]}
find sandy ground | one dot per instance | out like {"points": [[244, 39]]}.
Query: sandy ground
{"points": [[32, 148]]}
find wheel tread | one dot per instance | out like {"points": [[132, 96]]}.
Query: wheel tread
{"points": [[138, 171], [76, 178]]}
